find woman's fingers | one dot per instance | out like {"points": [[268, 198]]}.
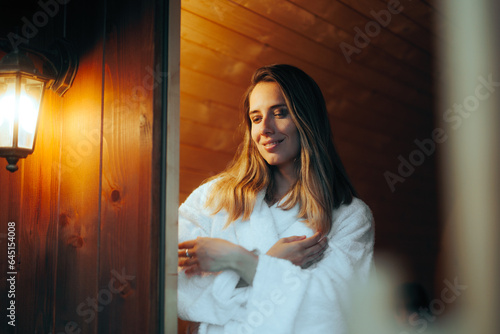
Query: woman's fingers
{"points": [[187, 244], [293, 238], [311, 260], [319, 247], [187, 249], [186, 254], [210, 254], [182, 252], [187, 261], [311, 241], [314, 252]]}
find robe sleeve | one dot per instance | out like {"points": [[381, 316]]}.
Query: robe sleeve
{"points": [[288, 299], [211, 298]]}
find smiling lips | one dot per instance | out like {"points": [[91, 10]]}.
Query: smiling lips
{"points": [[271, 145]]}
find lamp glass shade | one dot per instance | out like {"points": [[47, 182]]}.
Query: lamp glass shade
{"points": [[20, 98], [30, 98], [7, 110]]}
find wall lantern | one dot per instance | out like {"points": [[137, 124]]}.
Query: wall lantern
{"points": [[22, 88]]}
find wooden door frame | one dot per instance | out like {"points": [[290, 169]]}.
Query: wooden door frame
{"points": [[167, 106]]}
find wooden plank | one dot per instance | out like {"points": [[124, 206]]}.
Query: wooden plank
{"points": [[125, 254], [196, 158], [41, 202], [219, 91], [205, 111], [257, 28], [200, 135], [190, 180], [11, 211], [399, 24], [341, 108], [199, 58], [382, 160], [348, 19], [316, 29], [421, 14], [78, 216]]}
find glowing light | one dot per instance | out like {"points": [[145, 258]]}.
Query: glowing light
{"points": [[28, 113], [7, 111], [22, 87]]}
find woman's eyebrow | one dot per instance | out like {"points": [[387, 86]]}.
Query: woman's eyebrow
{"points": [[278, 105], [271, 107]]}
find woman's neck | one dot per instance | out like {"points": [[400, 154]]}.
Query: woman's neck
{"points": [[284, 179]]}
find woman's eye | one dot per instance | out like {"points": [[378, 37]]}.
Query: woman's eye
{"points": [[280, 112], [256, 119]]}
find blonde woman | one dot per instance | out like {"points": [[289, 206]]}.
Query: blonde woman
{"points": [[271, 244]]}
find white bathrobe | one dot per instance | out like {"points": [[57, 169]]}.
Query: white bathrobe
{"points": [[283, 298]]}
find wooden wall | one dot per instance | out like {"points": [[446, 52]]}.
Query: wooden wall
{"points": [[86, 204], [379, 97]]}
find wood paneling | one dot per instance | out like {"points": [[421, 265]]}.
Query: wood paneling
{"points": [[125, 206], [399, 24], [271, 34], [84, 204], [79, 218], [324, 33]]}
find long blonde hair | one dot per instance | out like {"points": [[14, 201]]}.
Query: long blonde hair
{"points": [[322, 183]]}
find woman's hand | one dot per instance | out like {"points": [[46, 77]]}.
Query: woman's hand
{"points": [[207, 254], [213, 255], [300, 250]]}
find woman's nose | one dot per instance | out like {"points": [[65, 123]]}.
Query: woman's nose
{"points": [[267, 125]]}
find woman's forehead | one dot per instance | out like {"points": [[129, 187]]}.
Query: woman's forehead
{"points": [[265, 95]]}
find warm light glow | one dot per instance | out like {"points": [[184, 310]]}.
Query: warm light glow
{"points": [[7, 112], [29, 105], [28, 113], [26, 106], [22, 87], [8, 103]]}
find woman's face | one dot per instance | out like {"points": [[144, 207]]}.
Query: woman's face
{"points": [[273, 129]]}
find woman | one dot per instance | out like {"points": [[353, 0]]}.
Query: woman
{"points": [[271, 244]]}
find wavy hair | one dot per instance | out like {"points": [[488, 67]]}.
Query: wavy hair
{"points": [[322, 184]]}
